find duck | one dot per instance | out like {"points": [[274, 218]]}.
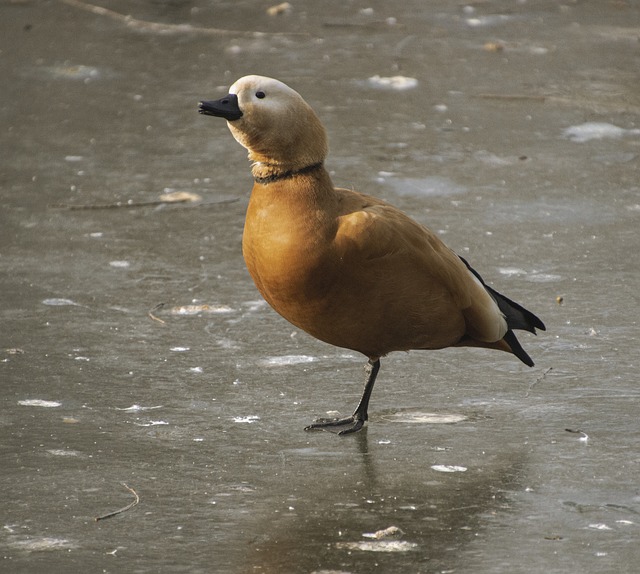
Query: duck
{"points": [[345, 267]]}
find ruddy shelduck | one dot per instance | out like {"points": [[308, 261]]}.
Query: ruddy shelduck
{"points": [[345, 267]]}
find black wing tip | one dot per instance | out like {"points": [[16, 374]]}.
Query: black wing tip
{"points": [[533, 322], [538, 324]]}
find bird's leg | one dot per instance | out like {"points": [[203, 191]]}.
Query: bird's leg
{"points": [[356, 421]]}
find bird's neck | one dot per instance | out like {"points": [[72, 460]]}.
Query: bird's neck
{"points": [[265, 173]]}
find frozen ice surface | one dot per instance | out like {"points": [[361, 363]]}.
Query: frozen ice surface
{"points": [[477, 145], [430, 186]]}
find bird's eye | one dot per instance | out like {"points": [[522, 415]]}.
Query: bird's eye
{"points": [[260, 95]]}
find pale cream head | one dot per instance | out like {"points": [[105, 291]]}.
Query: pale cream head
{"points": [[277, 126]]}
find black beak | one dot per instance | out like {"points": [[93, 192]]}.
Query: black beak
{"points": [[226, 108]]}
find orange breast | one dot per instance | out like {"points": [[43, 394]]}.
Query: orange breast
{"points": [[310, 266]]}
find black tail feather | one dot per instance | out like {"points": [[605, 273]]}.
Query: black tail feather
{"points": [[517, 318]]}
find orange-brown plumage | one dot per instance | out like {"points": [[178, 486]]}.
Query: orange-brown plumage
{"points": [[347, 268]]}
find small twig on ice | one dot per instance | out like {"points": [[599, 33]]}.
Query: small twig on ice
{"points": [[584, 437], [116, 205], [540, 378], [152, 316], [159, 28], [121, 510], [511, 97], [185, 198]]}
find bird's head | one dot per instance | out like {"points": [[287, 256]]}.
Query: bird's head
{"points": [[272, 122]]}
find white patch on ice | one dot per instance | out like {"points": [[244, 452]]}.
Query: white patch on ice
{"points": [[57, 302], [600, 526], [75, 72], [378, 546], [426, 418], [227, 344], [254, 305], [449, 468], [39, 403], [491, 20], [179, 349], [596, 131], [543, 278], [135, 408], [399, 83], [152, 424], [43, 543], [120, 264], [248, 419], [511, 271], [62, 452], [188, 310], [196, 369], [287, 360]]}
